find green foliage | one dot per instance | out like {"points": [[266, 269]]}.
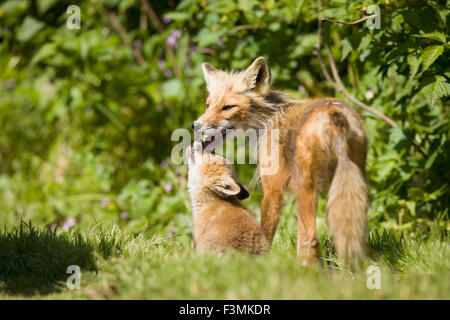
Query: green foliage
{"points": [[85, 125]]}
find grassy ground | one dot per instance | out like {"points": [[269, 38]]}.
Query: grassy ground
{"points": [[117, 265]]}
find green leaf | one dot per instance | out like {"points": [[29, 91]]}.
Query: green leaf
{"points": [[29, 28], [14, 7], [384, 170], [206, 37], [246, 5], [433, 196], [397, 135], [436, 89], [275, 26], [172, 89], [414, 62], [178, 16], [304, 45], [44, 5], [438, 36], [124, 5], [355, 42], [431, 159], [430, 54], [346, 48], [412, 207], [44, 52]]}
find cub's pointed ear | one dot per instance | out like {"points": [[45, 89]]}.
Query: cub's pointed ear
{"points": [[257, 76], [229, 187], [243, 194], [208, 73]]}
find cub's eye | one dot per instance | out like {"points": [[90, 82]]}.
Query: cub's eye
{"points": [[207, 106], [227, 108]]}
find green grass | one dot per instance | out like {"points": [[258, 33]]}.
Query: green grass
{"points": [[118, 265]]}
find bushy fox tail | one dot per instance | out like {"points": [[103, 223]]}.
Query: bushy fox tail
{"points": [[348, 199]]}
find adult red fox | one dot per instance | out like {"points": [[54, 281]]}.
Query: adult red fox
{"points": [[322, 145], [220, 221]]}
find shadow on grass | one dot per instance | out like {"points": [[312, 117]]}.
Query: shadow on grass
{"points": [[387, 246], [36, 261]]}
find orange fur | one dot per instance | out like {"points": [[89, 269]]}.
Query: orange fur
{"points": [[220, 221], [322, 146]]}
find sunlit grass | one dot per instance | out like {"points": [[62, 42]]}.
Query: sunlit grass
{"points": [[118, 265]]}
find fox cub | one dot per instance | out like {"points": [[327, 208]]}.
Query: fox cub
{"points": [[220, 221]]}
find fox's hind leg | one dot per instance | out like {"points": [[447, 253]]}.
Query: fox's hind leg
{"points": [[311, 162], [307, 193], [307, 243]]}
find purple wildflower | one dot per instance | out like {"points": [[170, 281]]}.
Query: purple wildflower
{"points": [[173, 229], [100, 169], [10, 84], [220, 41], [168, 187], [105, 202], [301, 88], [138, 44], [167, 20], [168, 73], [70, 222], [53, 226], [173, 37], [176, 33], [124, 215], [164, 164], [161, 63], [171, 41]]}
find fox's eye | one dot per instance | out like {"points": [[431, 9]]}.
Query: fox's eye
{"points": [[228, 108], [207, 106]]}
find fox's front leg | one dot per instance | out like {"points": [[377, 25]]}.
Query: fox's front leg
{"points": [[273, 186], [274, 177], [270, 212]]}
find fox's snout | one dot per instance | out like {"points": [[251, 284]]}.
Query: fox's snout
{"points": [[202, 125]]}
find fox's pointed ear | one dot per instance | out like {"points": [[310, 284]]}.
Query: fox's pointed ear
{"points": [[208, 72], [257, 76], [229, 187]]}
